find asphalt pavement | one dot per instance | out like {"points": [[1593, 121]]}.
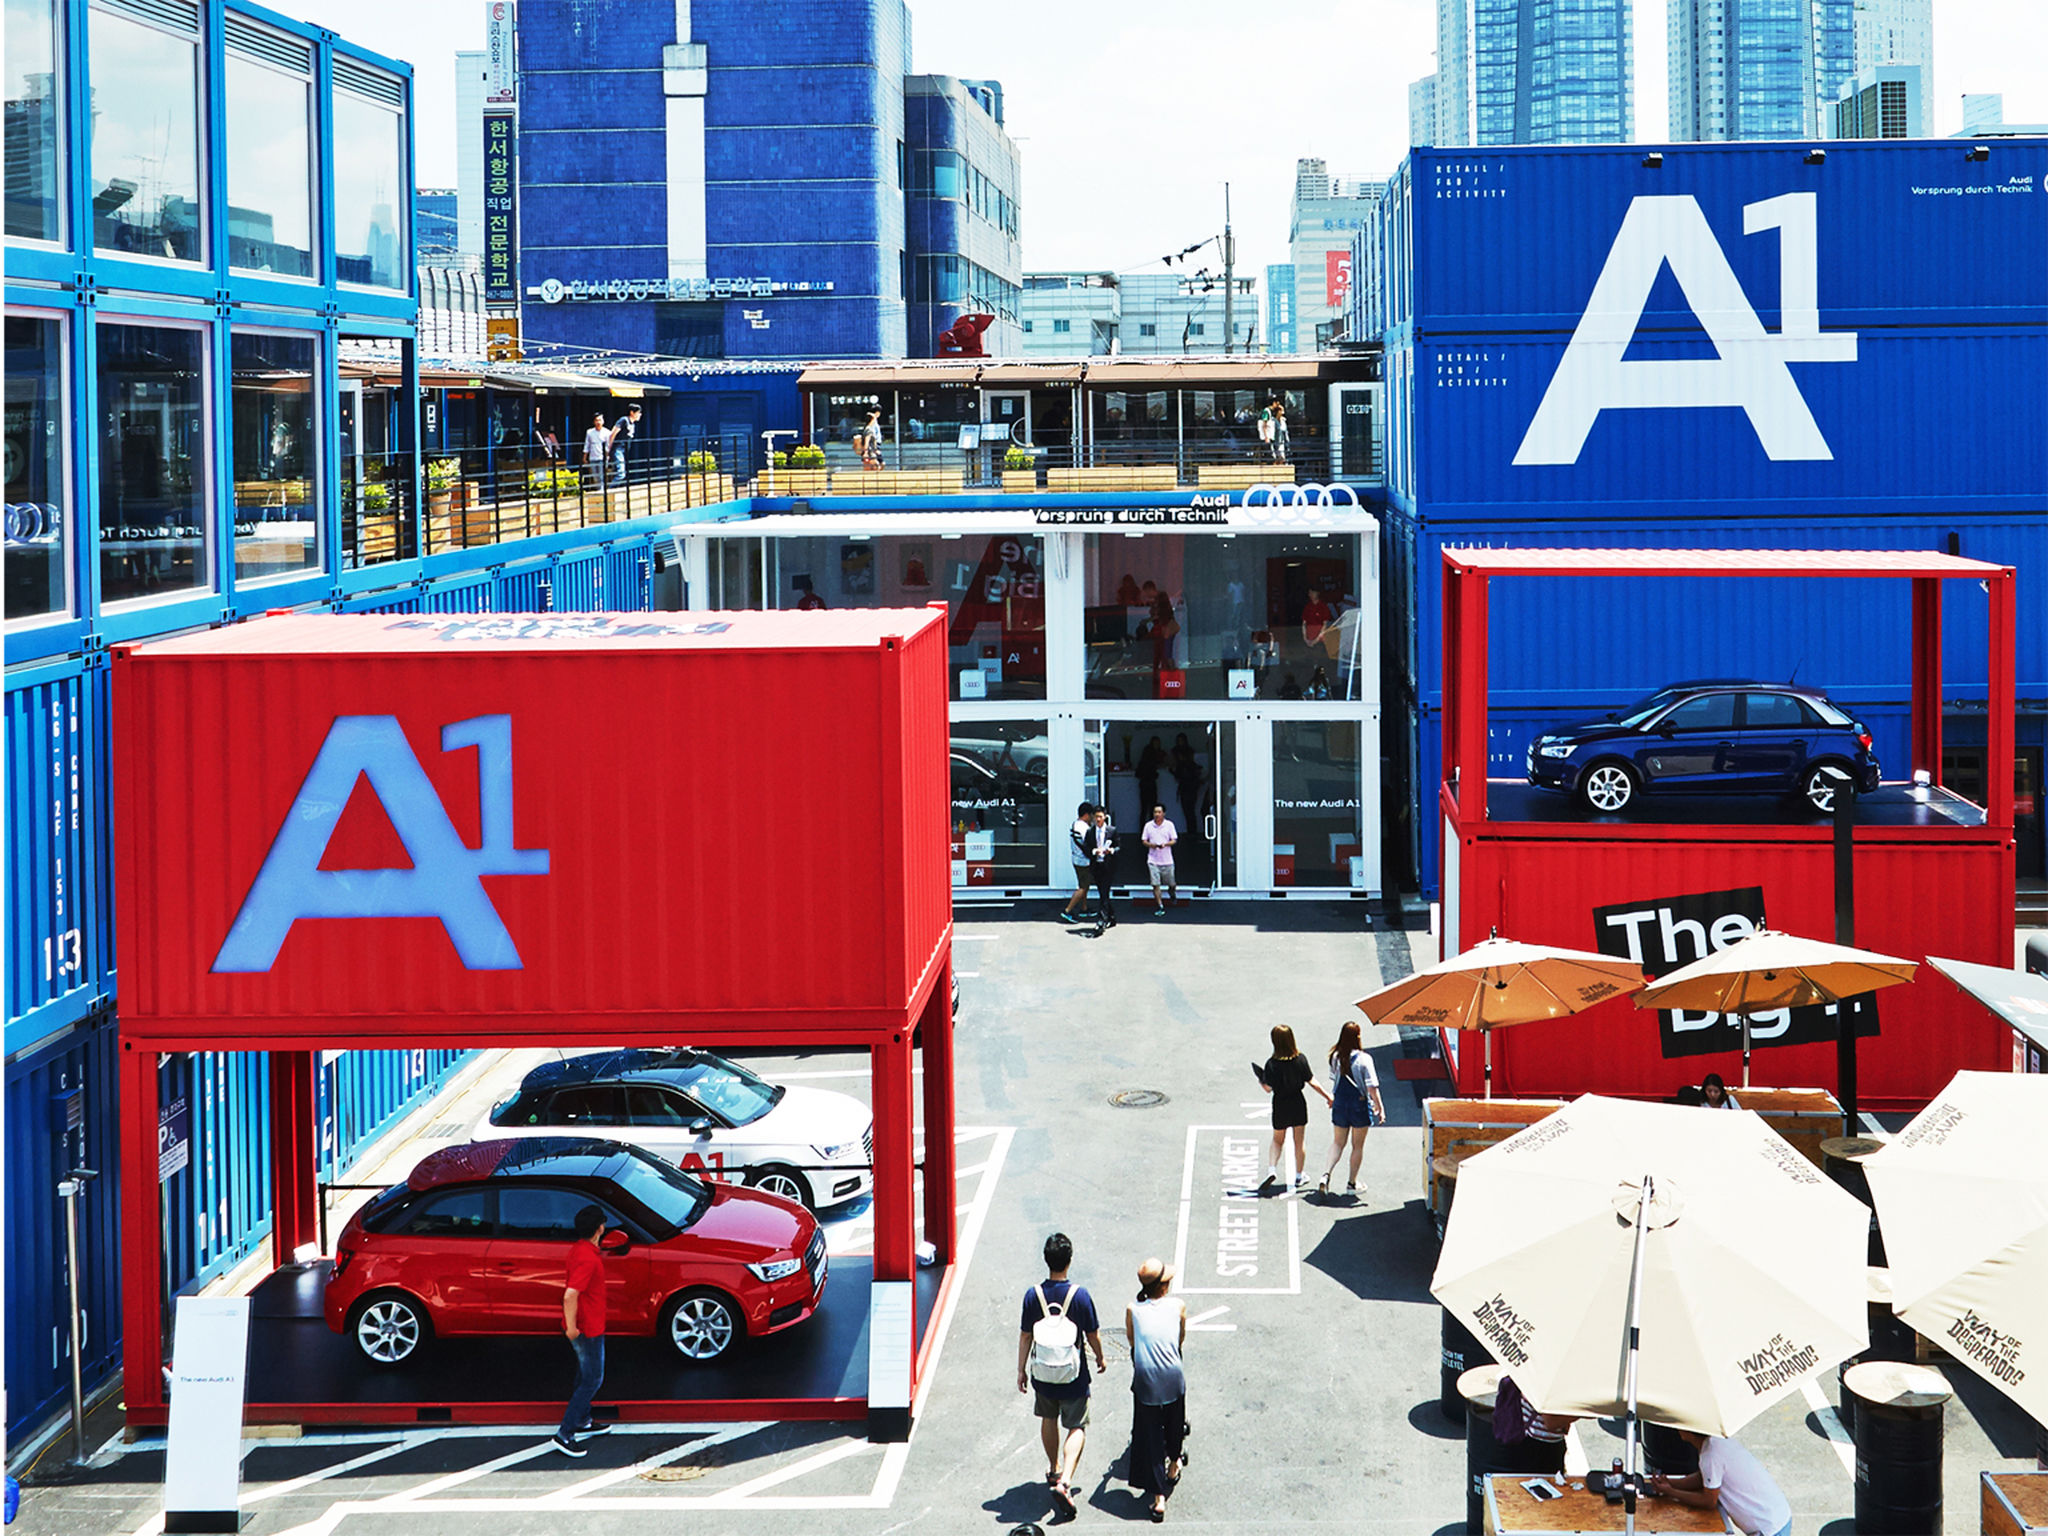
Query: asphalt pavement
{"points": [[1314, 1363]]}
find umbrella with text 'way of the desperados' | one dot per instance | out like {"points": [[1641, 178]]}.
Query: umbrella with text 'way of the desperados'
{"points": [[1652, 1261], [1962, 1198], [1498, 982], [1766, 971]]}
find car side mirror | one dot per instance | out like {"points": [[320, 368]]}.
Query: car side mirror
{"points": [[615, 1242], [1666, 728], [701, 1126]]}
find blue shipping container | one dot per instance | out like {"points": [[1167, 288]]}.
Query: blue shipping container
{"points": [[1745, 330], [61, 1115], [1904, 232], [60, 938], [1571, 642]]}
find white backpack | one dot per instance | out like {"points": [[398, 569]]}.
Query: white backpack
{"points": [[1055, 1342]]}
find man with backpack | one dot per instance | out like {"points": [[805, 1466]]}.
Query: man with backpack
{"points": [[1058, 1316]]}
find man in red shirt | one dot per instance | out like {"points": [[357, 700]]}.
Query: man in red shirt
{"points": [[583, 1323]]}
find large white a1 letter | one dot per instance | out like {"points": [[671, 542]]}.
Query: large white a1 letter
{"points": [[1749, 371]]}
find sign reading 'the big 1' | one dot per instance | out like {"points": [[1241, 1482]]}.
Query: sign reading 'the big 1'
{"points": [[1666, 932]]}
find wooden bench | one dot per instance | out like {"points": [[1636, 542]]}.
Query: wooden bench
{"points": [[1452, 1127], [1806, 1117], [1242, 477], [1114, 477]]}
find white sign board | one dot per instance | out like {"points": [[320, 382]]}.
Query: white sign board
{"points": [[203, 1469], [500, 69], [981, 847]]}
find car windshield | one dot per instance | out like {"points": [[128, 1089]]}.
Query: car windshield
{"points": [[666, 1193], [728, 1090], [1639, 713]]}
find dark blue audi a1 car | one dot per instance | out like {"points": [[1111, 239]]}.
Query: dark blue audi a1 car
{"points": [[1718, 736]]}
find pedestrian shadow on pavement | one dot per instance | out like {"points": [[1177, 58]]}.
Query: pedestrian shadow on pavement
{"points": [[1386, 1254], [1026, 1502]]}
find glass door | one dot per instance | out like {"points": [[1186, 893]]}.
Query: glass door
{"points": [[1187, 768], [1005, 419]]}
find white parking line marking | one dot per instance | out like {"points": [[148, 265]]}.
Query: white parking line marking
{"points": [[1831, 1424], [1575, 1462], [456, 1479], [974, 938], [1200, 1323], [689, 1447], [781, 1475]]}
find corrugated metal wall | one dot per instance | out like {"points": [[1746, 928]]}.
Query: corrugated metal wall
{"points": [[61, 1103], [361, 1094], [60, 940]]}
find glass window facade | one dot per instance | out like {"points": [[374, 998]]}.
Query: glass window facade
{"points": [[153, 461], [38, 509], [35, 125], [1318, 807], [277, 523], [270, 169], [999, 816], [1257, 616], [145, 139], [370, 195], [993, 588], [1553, 71]]}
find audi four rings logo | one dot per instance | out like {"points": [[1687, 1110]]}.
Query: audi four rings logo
{"points": [[31, 523], [1264, 495]]}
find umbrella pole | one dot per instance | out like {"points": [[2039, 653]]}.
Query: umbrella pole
{"points": [[1631, 1450], [1487, 1036], [1745, 1050]]}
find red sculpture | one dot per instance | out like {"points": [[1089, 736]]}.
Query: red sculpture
{"points": [[963, 337]]}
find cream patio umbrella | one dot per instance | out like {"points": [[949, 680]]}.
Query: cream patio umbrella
{"points": [[1498, 982], [1767, 970], [1962, 1197], [1652, 1260]]}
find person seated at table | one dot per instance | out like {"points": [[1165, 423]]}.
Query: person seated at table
{"points": [[1714, 1092], [1531, 1440], [1731, 1482]]}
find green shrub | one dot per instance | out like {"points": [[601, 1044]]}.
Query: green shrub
{"points": [[554, 482], [809, 456], [781, 458], [443, 475], [1017, 458], [375, 497], [703, 462]]}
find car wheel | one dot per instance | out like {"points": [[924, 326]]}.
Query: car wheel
{"points": [[1608, 787], [702, 1326], [389, 1328], [786, 1182], [1817, 788]]}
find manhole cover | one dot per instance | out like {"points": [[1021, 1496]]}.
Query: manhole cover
{"points": [[1137, 1098]]}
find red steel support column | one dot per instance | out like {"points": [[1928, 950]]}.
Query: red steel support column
{"points": [[294, 1173], [1455, 582], [1472, 740], [895, 1161], [1927, 676], [935, 1033], [142, 1275], [1999, 724]]}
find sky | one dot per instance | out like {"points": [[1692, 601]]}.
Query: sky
{"points": [[1143, 110]]}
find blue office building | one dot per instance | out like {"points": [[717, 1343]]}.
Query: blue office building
{"points": [[1280, 308], [435, 223], [742, 191], [1544, 73], [1758, 69]]}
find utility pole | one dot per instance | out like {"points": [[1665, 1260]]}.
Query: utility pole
{"points": [[1229, 276]]}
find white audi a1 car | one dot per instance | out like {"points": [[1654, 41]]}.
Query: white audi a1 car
{"points": [[704, 1113]]}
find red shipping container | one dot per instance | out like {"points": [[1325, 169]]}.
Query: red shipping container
{"points": [[629, 823]]}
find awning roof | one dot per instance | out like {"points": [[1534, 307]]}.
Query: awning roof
{"points": [[1097, 372], [2018, 997], [1714, 562]]}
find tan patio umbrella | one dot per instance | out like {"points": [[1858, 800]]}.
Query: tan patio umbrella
{"points": [[1768, 970], [1498, 982], [1962, 1196], [1647, 1259]]}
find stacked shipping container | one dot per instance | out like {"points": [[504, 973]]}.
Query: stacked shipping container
{"points": [[1897, 291]]}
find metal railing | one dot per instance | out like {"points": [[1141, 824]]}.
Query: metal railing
{"points": [[1141, 463]]}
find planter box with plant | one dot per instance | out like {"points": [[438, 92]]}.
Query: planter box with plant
{"points": [[797, 472], [1020, 469]]}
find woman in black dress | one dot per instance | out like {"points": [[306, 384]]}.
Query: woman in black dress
{"points": [[1287, 1075]]}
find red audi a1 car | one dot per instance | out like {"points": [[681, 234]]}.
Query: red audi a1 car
{"points": [[476, 1241]]}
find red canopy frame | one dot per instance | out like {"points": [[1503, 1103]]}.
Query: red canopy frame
{"points": [[1468, 574], [925, 1028]]}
